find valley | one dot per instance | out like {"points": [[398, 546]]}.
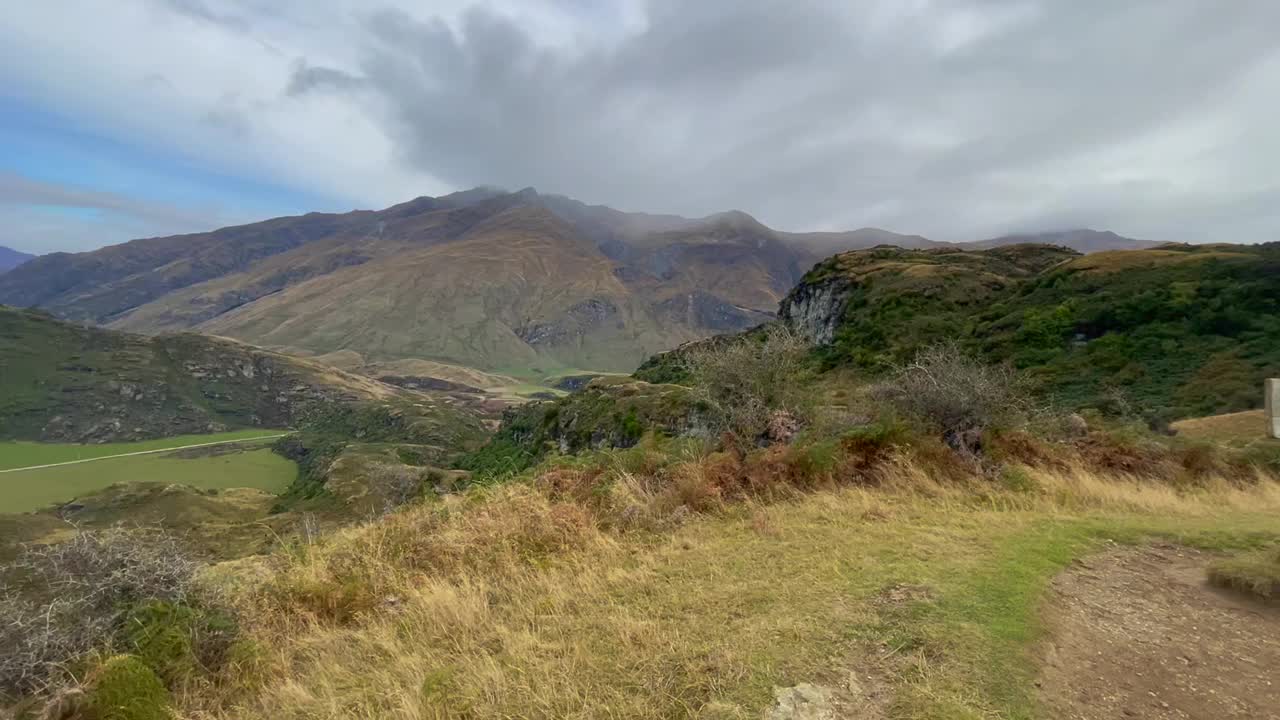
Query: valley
{"points": [[423, 473], [483, 278], [236, 465], [21, 454], [639, 360]]}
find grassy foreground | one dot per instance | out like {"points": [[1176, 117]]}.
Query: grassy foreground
{"points": [[586, 592], [28, 490], [24, 454]]}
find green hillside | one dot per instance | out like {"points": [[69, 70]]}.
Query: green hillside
{"points": [[1173, 332], [64, 382]]}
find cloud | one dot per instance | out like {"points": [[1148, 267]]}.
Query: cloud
{"points": [[39, 216], [956, 119], [307, 78], [19, 190]]}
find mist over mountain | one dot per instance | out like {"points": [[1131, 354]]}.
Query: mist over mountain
{"points": [[484, 278]]}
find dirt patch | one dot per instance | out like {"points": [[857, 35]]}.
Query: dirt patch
{"points": [[1138, 633]]}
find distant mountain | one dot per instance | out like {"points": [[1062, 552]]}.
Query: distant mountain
{"points": [[10, 258], [482, 278], [830, 243], [1082, 240]]}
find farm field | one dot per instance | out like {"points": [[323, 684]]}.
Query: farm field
{"points": [[240, 467], [24, 454]]}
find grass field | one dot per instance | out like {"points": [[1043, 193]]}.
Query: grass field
{"points": [[514, 603], [28, 490], [24, 454], [1232, 429]]}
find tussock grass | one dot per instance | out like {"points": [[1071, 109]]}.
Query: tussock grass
{"points": [[665, 582], [1257, 573]]}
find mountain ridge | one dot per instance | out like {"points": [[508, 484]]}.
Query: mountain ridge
{"points": [[69, 382], [10, 258], [648, 281]]}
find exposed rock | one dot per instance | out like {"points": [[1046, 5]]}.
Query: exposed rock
{"points": [[576, 322], [815, 310], [802, 702], [703, 310]]}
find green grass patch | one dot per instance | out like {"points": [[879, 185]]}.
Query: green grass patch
{"points": [[28, 490], [1256, 572], [24, 454]]}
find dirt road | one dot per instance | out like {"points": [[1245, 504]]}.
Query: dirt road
{"points": [[1137, 633]]}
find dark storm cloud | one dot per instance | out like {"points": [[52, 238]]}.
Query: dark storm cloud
{"points": [[953, 118]]}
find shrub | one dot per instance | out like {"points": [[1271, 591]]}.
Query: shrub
{"points": [[69, 598], [956, 394], [126, 689], [747, 381], [1017, 479], [178, 641]]}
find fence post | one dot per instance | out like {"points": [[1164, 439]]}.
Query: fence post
{"points": [[1273, 407]]}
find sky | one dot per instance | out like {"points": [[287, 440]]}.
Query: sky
{"points": [[953, 119]]}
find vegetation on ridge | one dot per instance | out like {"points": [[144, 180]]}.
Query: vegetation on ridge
{"points": [[1176, 332]]}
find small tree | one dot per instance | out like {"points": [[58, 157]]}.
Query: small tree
{"points": [[749, 381], [956, 393]]}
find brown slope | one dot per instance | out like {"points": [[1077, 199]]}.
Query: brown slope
{"points": [[453, 279], [500, 283], [413, 225], [105, 284], [519, 290]]}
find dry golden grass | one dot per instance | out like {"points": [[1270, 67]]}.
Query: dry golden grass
{"points": [[1240, 428], [1119, 260], [649, 586]]}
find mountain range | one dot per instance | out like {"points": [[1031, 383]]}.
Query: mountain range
{"points": [[10, 258], [515, 282]]}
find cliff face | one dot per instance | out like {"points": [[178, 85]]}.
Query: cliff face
{"points": [[902, 295], [815, 309]]}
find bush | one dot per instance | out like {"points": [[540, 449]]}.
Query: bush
{"points": [[749, 380], [126, 689], [1017, 479], [178, 641], [956, 394], [66, 599]]}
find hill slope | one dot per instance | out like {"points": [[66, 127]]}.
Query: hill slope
{"points": [[71, 383], [10, 258], [482, 278], [1178, 331], [1083, 241]]}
